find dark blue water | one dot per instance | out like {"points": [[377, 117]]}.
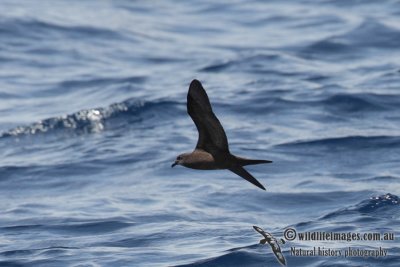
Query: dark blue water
{"points": [[93, 113]]}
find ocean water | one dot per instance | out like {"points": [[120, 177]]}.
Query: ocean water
{"points": [[93, 113]]}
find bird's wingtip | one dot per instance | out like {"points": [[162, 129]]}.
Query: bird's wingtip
{"points": [[195, 82]]}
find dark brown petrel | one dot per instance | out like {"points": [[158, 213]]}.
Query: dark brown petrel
{"points": [[212, 151]]}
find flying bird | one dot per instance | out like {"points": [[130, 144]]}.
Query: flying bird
{"points": [[276, 249], [212, 150]]}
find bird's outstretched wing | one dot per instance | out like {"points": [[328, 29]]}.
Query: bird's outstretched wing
{"points": [[239, 170], [261, 231], [276, 249], [212, 137]]}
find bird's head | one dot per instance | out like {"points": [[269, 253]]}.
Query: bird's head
{"points": [[180, 160]]}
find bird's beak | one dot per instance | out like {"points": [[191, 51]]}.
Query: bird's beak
{"points": [[173, 164]]}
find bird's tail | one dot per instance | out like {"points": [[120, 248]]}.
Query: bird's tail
{"points": [[244, 161]]}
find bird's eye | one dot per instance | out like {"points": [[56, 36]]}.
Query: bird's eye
{"points": [[179, 158]]}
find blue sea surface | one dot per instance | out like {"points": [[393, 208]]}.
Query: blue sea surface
{"points": [[93, 114]]}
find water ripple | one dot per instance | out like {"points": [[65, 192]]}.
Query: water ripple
{"points": [[88, 121]]}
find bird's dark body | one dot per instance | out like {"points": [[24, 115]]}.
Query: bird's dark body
{"points": [[212, 149], [202, 160]]}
